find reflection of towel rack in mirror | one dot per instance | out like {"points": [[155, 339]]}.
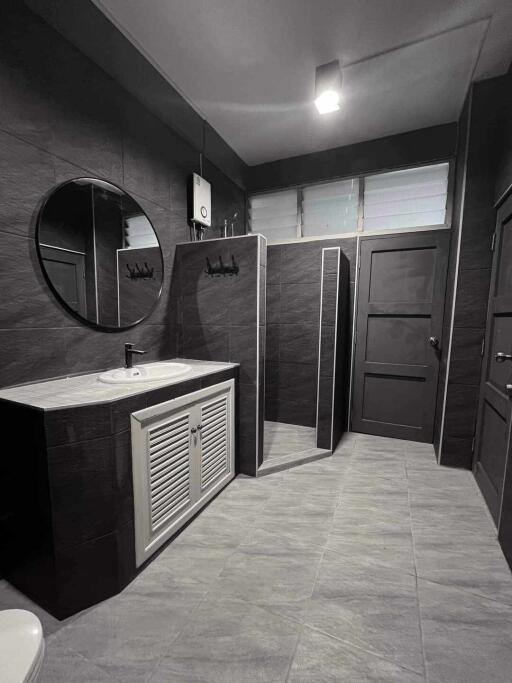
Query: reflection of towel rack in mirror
{"points": [[221, 269], [138, 273]]}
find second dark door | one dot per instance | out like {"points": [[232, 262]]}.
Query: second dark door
{"points": [[398, 335], [493, 428]]}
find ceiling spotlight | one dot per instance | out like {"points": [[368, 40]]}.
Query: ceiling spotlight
{"points": [[328, 87]]}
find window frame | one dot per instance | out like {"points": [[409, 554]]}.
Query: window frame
{"points": [[360, 228]]}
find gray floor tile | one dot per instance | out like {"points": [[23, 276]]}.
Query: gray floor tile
{"points": [[325, 549], [280, 579], [127, 635], [470, 563], [369, 606], [321, 659], [230, 641], [64, 666], [467, 639], [391, 548], [282, 439], [187, 560]]}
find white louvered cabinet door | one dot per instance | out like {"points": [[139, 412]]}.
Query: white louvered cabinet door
{"points": [[215, 440], [169, 450], [182, 455]]}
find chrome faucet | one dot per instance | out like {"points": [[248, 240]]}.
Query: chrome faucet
{"points": [[128, 354]]}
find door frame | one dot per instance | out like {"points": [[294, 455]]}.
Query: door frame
{"points": [[446, 231], [503, 211]]}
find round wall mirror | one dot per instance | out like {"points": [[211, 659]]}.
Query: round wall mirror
{"points": [[99, 253]]}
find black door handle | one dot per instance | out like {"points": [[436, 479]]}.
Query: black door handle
{"points": [[434, 342], [501, 357]]}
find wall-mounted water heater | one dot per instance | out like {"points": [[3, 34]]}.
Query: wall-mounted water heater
{"points": [[200, 198]]}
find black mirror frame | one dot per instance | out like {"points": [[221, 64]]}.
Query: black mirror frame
{"points": [[89, 323]]}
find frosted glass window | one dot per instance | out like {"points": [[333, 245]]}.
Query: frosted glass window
{"points": [[274, 215], [138, 233], [406, 199], [330, 208]]}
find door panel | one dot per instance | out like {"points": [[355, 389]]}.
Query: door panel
{"points": [[402, 275], [66, 270], [406, 408], [392, 339], [495, 405], [400, 306]]}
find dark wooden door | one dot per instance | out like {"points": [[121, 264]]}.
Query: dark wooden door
{"points": [[66, 271], [400, 307], [494, 410]]}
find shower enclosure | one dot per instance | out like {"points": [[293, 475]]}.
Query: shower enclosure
{"points": [[306, 352]]}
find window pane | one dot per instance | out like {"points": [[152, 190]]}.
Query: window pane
{"points": [[274, 215], [330, 208], [406, 199]]}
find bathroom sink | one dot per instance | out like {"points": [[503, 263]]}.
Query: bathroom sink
{"points": [[153, 372]]}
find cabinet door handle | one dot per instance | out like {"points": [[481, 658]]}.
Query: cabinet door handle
{"points": [[434, 342], [501, 357], [508, 387]]}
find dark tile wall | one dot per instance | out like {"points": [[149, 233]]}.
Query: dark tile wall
{"points": [[407, 149], [459, 180], [293, 308], [90, 30], [334, 342], [504, 170], [62, 117], [219, 318], [474, 216]]}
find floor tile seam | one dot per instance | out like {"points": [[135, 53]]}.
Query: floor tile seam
{"points": [[96, 665], [189, 619], [294, 654], [375, 563], [460, 589], [418, 527], [349, 644], [342, 486], [420, 622], [318, 567]]}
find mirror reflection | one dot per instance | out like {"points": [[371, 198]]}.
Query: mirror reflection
{"points": [[100, 253]]}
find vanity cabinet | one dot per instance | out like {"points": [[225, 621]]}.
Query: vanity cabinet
{"points": [[183, 454], [68, 508]]}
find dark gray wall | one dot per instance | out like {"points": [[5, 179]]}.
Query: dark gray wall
{"points": [[474, 215], [84, 25], [219, 319], [408, 149], [62, 117], [293, 307], [504, 168]]}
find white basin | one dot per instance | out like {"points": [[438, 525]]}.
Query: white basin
{"points": [[152, 372]]}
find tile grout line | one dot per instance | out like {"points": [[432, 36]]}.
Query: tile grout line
{"points": [[350, 644], [420, 623], [315, 581]]}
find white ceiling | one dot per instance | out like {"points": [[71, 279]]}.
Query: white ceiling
{"points": [[247, 66]]}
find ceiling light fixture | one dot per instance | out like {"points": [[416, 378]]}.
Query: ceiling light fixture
{"points": [[328, 87]]}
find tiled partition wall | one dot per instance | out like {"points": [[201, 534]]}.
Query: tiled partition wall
{"points": [[62, 117], [220, 318], [334, 343], [294, 274]]}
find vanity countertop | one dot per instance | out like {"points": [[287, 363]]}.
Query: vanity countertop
{"points": [[87, 389]]}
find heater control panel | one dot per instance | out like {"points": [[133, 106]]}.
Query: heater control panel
{"points": [[200, 201]]}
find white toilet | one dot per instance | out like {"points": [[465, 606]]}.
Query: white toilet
{"points": [[21, 646]]}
